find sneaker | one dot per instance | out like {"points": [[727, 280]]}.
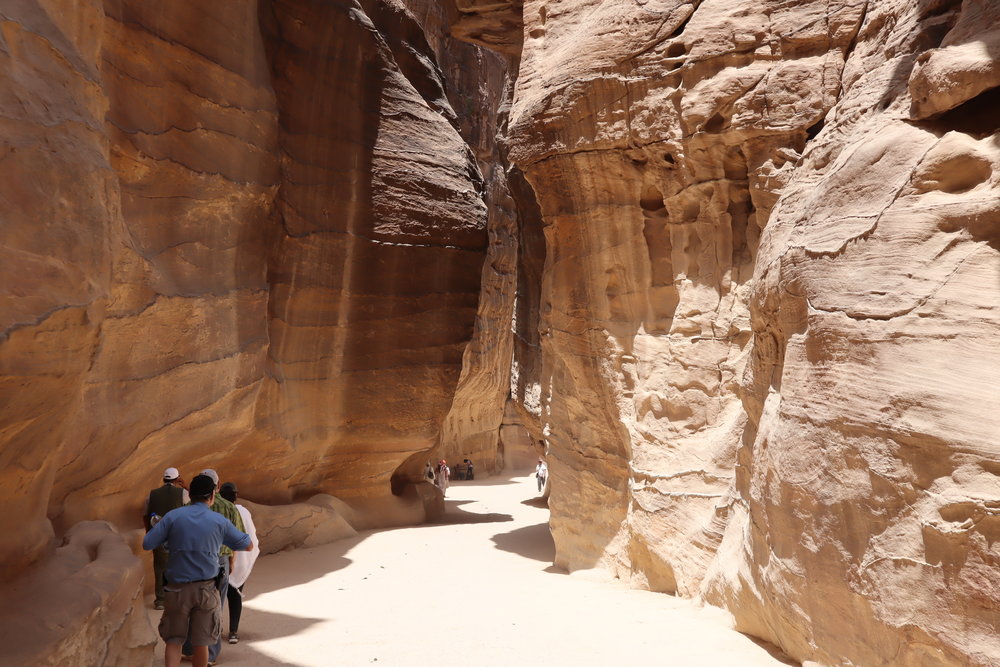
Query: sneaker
{"points": [[234, 638], [157, 605]]}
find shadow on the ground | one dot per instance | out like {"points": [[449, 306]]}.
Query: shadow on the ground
{"points": [[277, 625], [533, 542], [300, 566], [540, 501], [772, 650], [502, 479], [453, 514]]}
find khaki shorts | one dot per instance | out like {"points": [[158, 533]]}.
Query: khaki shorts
{"points": [[196, 607]]}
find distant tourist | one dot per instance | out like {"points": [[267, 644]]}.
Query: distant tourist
{"points": [[443, 475], [242, 564], [469, 473], [193, 608], [170, 496], [541, 472]]}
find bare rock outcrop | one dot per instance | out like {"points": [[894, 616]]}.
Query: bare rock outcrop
{"points": [[83, 607], [767, 312], [249, 236], [281, 262]]}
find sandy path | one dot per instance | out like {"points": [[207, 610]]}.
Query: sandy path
{"points": [[476, 590]]}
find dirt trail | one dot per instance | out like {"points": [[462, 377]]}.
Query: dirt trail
{"points": [[476, 590]]}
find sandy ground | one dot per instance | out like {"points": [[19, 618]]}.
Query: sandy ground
{"points": [[476, 589]]}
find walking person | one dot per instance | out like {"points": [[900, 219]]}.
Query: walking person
{"points": [[443, 475], [541, 473], [192, 605], [228, 510], [242, 564], [170, 496]]}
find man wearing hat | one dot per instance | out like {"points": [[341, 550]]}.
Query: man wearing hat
{"points": [[192, 602], [161, 500], [228, 510]]}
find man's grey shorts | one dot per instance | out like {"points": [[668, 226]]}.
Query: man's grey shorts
{"points": [[195, 606]]}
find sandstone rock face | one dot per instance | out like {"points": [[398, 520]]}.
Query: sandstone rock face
{"points": [[84, 606], [477, 87], [250, 237], [283, 257], [768, 310]]}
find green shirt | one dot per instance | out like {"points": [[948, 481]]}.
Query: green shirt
{"points": [[228, 510]]}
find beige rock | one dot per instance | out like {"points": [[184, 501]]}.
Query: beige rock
{"points": [[84, 606], [250, 239], [767, 311]]}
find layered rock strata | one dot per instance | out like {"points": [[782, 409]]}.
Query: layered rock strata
{"points": [[767, 313], [249, 237]]}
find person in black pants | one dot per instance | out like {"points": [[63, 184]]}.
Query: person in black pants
{"points": [[242, 564]]}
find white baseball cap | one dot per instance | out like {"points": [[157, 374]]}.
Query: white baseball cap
{"points": [[211, 473], [171, 474]]}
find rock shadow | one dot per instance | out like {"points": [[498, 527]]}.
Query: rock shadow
{"points": [[534, 542], [500, 480], [255, 625], [455, 515], [300, 566], [772, 650]]}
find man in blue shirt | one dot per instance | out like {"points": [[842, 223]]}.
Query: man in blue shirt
{"points": [[194, 533]]}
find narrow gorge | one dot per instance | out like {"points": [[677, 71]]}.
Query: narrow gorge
{"points": [[731, 266]]}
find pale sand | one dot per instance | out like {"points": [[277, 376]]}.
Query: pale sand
{"points": [[476, 589]]}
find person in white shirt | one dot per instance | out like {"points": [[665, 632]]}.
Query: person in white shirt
{"points": [[443, 474], [241, 565], [541, 472]]}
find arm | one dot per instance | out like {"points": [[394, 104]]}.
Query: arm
{"points": [[184, 488], [145, 515], [157, 534], [235, 539]]}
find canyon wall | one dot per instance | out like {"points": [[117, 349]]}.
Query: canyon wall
{"points": [[744, 255], [767, 314], [246, 236]]}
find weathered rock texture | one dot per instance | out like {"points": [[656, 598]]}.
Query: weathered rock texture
{"points": [[768, 313], [243, 235], [756, 251], [83, 607]]}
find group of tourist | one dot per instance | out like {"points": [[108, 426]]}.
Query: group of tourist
{"points": [[204, 545], [440, 474]]}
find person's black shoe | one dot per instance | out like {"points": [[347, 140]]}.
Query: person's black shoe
{"points": [[234, 638]]}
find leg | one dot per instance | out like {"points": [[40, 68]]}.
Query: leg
{"points": [[172, 655], [215, 649], [159, 572], [235, 598], [200, 656]]}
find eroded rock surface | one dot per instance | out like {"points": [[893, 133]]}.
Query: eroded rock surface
{"points": [[84, 606], [754, 314], [250, 237], [768, 310]]}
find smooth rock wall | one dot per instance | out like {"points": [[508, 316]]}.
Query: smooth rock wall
{"points": [[246, 236], [479, 91]]}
